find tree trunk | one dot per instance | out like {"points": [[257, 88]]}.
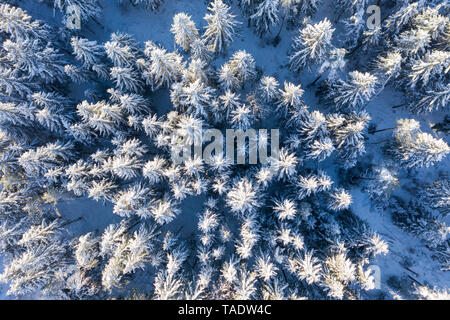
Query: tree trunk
{"points": [[386, 129], [71, 221], [276, 40], [314, 82]]}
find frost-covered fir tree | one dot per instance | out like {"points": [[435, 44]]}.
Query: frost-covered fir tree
{"points": [[389, 67], [353, 93], [312, 45], [221, 26], [196, 98], [78, 9], [430, 68], [101, 116], [307, 7], [414, 148], [35, 268], [11, 83], [268, 88], [266, 15], [348, 134], [19, 24], [199, 50], [149, 4], [431, 100], [242, 66], [165, 67], [90, 54], [35, 60], [437, 196], [334, 63], [290, 100], [184, 30], [243, 197], [126, 79], [381, 183], [122, 50]]}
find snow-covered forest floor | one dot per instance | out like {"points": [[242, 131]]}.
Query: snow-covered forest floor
{"points": [[408, 263]]}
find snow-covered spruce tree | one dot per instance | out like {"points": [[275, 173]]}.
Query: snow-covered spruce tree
{"points": [[36, 162], [101, 116], [430, 19], [229, 102], [17, 120], [53, 111], [134, 200], [88, 52], [221, 26], [314, 137], [103, 189], [432, 67], [248, 7], [397, 21], [237, 71], [413, 42], [149, 4], [437, 196], [354, 93], [165, 67], [126, 79], [388, 67], [125, 252], [195, 99], [165, 210], [87, 9], [35, 268], [333, 63], [184, 30], [13, 84], [314, 127], [306, 7], [91, 54], [77, 74], [310, 185], [127, 162], [426, 293], [197, 70], [269, 88], [355, 24], [131, 103], [266, 15], [414, 148], [227, 78], [371, 38], [199, 50], [381, 183], [35, 60], [312, 45], [285, 166], [122, 50], [289, 11], [348, 134], [434, 99], [242, 118], [292, 246], [243, 198], [416, 219], [290, 100], [17, 23]]}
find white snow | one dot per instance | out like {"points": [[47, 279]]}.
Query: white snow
{"points": [[405, 250]]}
